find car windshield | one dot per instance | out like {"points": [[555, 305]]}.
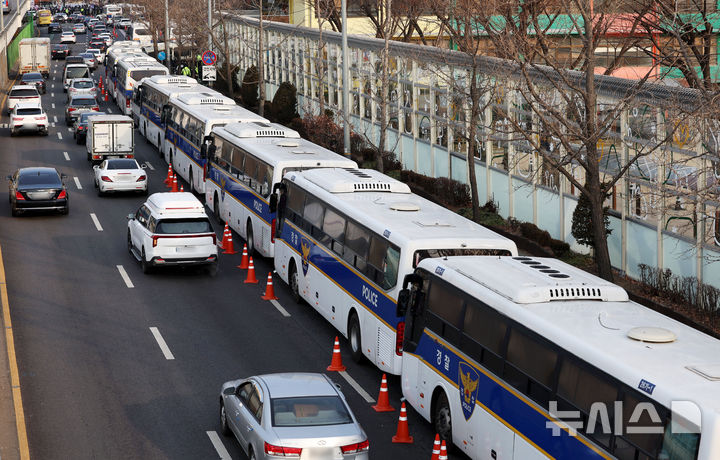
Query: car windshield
{"points": [[122, 164], [198, 225], [84, 116], [29, 111], [309, 411], [76, 72], [32, 77], [48, 179], [23, 92], [82, 101]]}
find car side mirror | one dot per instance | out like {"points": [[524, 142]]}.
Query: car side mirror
{"points": [[96, 167], [63, 176], [229, 391], [130, 216]]}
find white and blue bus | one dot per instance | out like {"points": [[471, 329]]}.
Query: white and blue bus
{"points": [[154, 93], [188, 119], [245, 162], [112, 57], [346, 236], [129, 72], [530, 358]]}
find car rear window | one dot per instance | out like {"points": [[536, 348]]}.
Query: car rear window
{"points": [[50, 179], [309, 411], [83, 84], [122, 164], [77, 72], [82, 101], [29, 111], [23, 92], [197, 225]]}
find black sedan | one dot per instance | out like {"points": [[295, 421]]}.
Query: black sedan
{"points": [[60, 51], [54, 28], [38, 189], [34, 78]]}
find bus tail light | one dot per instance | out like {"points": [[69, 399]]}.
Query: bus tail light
{"points": [[127, 103], [399, 336], [272, 231], [205, 170]]}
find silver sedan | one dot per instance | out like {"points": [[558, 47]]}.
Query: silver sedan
{"points": [[294, 415]]}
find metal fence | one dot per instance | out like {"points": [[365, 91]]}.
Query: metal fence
{"points": [[428, 121], [13, 47]]}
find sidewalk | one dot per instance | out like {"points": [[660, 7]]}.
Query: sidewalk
{"points": [[9, 447]]}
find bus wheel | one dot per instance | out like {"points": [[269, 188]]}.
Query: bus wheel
{"points": [[190, 181], [355, 338], [250, 238], [294, 281], [442, 421], [216, 209], [159, 147]]}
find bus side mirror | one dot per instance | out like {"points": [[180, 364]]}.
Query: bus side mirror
{"points": [[207, 142], [402, 303], [273, 202]]}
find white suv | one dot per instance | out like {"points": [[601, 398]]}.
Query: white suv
{"points": [[172, 229], [22, 93]]}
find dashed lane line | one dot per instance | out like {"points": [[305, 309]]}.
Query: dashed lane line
{"points": [[149, 166], [67, 157], [218, 445], [280, 308], [125, 276], [55, 118], [59, 135], [99, 227], [161, 342], [77, 183], [364, 394], [52, 94], [69, 129], [53, 105]]}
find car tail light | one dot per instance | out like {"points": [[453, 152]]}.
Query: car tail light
{"points": [[19, 197], [280, 451], [141, 178], [356, 448], [41, 118], [105, 179], [155, 240], [97, 109], [17, 118], [399, 336], [62, 195], [71, 109], [272, 231], [214, 237]]}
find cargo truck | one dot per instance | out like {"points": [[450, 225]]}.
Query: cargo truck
{"points": [[35, 55], [109, 136]]}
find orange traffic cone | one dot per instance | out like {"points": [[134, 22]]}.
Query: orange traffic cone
{"points": [[269, 289], [336, 363], [229, 248], [383, 404], [168, 179], [403, 434], [223, 239], [436, 448], [181, 188], [244, 261], [174, 183], [443, 451], [106, 94], [251, 273]]}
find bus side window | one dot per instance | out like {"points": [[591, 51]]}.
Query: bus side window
{"points": [[357, 240], [445, 310], [530, 366], [484, 333], [334, 229], [313, 213], [295, 203]]}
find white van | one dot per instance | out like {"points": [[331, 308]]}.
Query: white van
{"points": [[74, 71], [172, 229]]}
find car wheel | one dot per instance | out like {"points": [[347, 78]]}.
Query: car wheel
{"points": [[250, 239], [144, 264], [45, 132], [252, 454], [442, 421], [224, 428], [68, 122], [66, 210], [77, 140], [129, 243], [99, 190], [294, 281], [13, 133], [355, 339], [14, 211], [212, 269]]}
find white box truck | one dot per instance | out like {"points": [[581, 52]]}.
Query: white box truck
{"points": [[109, 136], [35, 55]]}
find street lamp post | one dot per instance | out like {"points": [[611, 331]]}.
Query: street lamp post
{"points": [[345, 81], [168, 61]]}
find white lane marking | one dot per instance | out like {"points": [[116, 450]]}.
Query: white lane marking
{"points": [[59, 135], [67, 157], [69, 129], [55, 118], [52, 94], [280, 308], [109, 110], [364, 394], [125, 276], [149, 166], [52, 85], [77, 183], [53, 105], [161, 342], [218, 445], [99, 228]]}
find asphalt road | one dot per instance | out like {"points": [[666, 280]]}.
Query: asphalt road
{"points": [[95, 382]]}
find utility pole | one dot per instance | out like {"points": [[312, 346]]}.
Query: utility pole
{"points": [[168, 61], [345, 81]]}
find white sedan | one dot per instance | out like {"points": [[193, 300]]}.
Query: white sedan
{"points": [[67, 37], [120, 175]]}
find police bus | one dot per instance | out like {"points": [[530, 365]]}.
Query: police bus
{"points": [[113, 54], [531, 358], [246, 161], [151, 95], [129, 71], [345, 238], [188, 119]]}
